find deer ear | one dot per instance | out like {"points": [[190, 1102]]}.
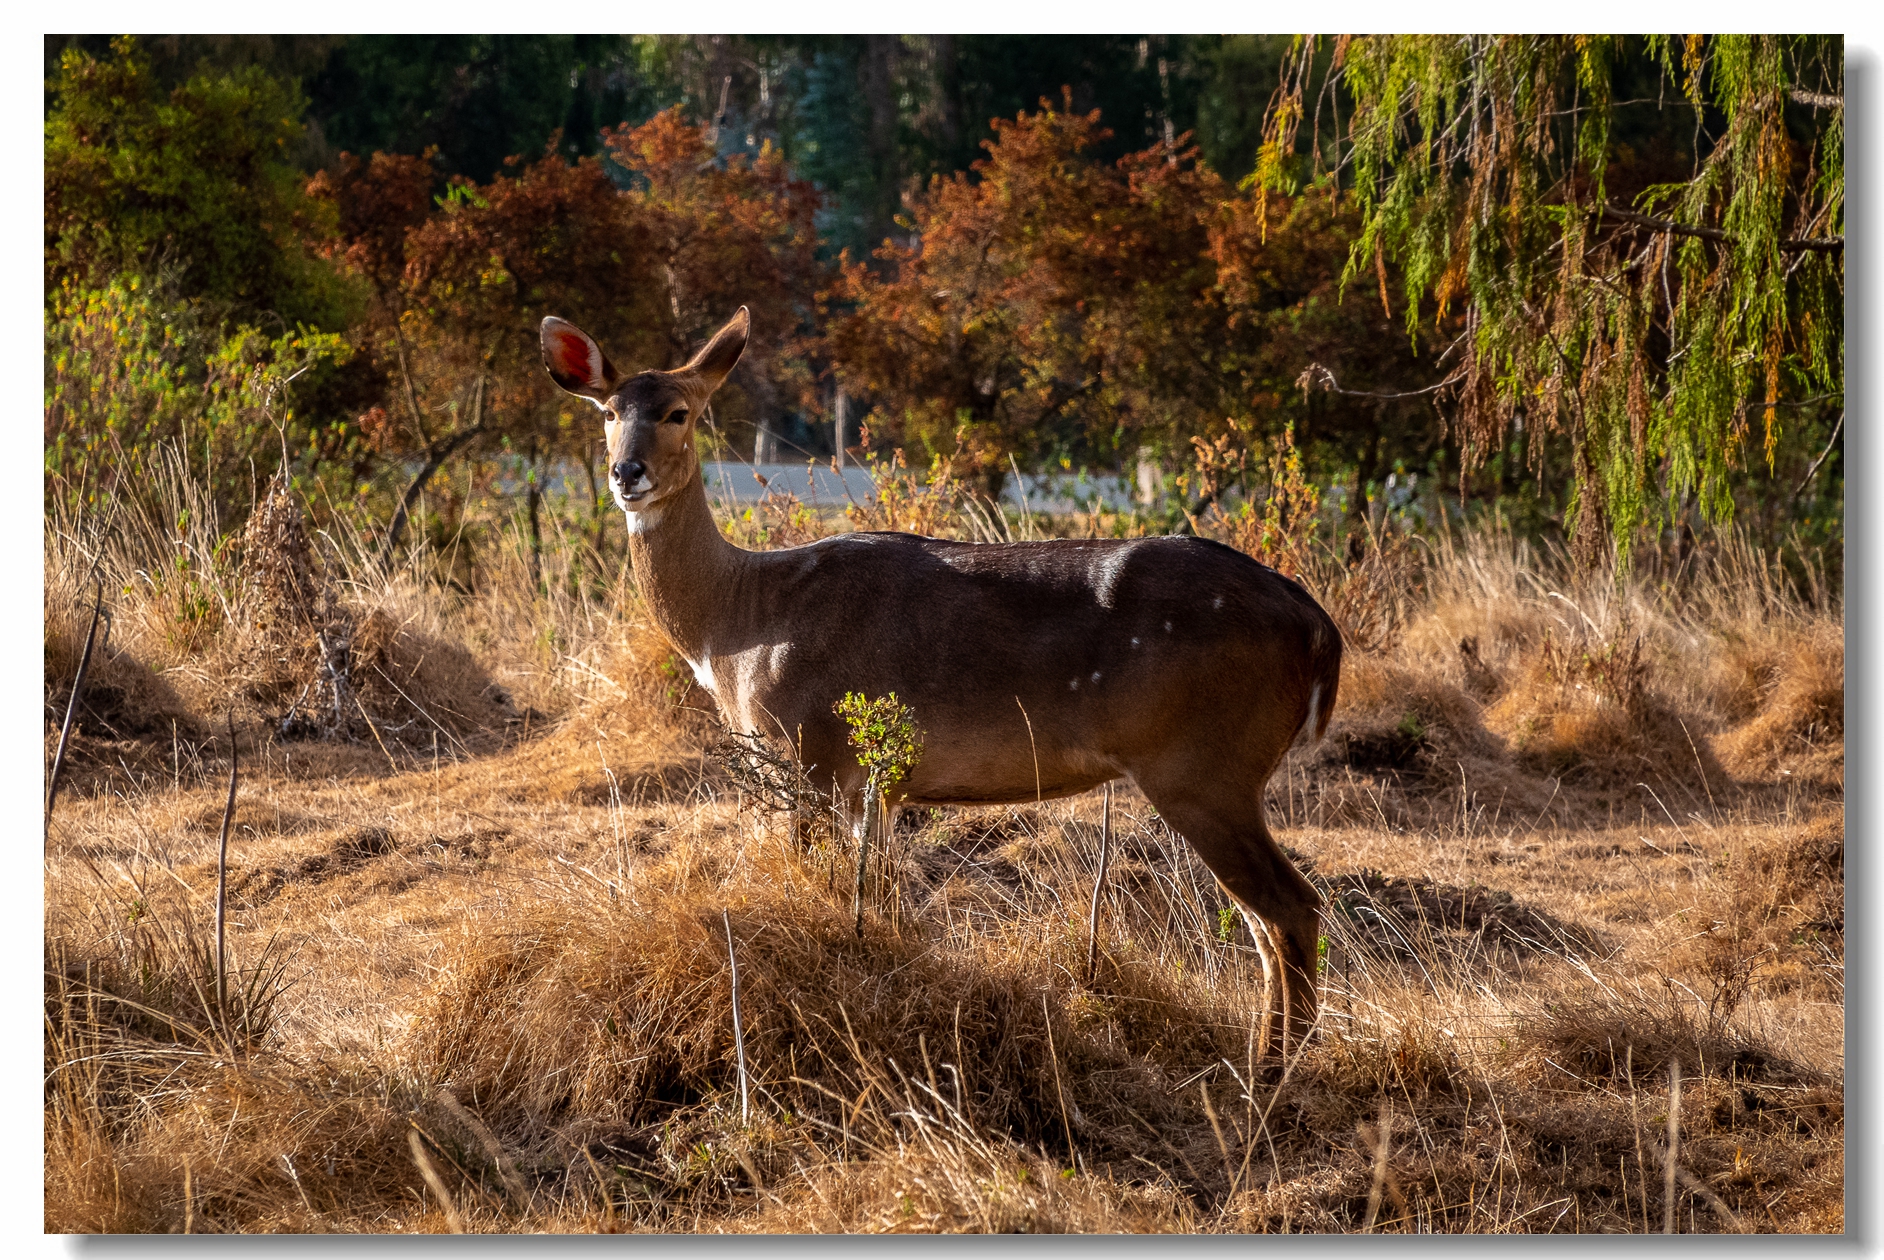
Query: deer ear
{"points": [[720, 354], [575, 362]]}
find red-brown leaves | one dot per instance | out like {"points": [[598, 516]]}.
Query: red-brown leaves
{"points": [[377, 202], [464, 279]]}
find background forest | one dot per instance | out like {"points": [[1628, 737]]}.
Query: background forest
{"points": [[996, 253]]}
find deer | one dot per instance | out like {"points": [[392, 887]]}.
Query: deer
{"points": [[1036, 670]]}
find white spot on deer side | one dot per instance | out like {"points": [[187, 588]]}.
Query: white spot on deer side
{"points": [[1095, 675], [703, 669], [1073, 686], [1217, 602], [1107, 585], [1134, 642], [1167, 627]]}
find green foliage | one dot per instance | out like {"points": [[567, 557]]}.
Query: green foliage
{"points": [[194, 181], [1643, 307], [883, 733], [129, 370]]}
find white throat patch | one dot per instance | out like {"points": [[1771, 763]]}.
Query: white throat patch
{"points": [[644, 518]]}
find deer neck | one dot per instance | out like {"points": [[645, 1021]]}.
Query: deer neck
{"points": [[684, 567]]}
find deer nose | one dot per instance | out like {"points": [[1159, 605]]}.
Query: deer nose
{"points": [[629, 472]]}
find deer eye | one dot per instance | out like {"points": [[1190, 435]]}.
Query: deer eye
{"points": [[677, 416]]}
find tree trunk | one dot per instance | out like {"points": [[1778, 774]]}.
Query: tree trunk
{"points": [[533, 501], [595, 506], [877, 78], [841, 434], [435, 458], [948, 91]]}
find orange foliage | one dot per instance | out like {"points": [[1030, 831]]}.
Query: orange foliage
{"points": [[1058, 307], [464, 279]]}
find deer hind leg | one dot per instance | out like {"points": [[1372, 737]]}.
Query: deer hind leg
{"points": [[1283, 909], [1270, 957]]}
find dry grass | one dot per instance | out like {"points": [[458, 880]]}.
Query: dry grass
{"points": [[1602, 843]]}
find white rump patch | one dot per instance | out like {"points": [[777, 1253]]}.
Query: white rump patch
{"points": [[703, 669]]}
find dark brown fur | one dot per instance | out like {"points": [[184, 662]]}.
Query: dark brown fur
{"points": [[1035, 670]]}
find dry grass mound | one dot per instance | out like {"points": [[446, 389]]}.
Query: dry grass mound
{"points": [[1404, 742], [318, 668], [616, 1017], [1417, 918], [1791, 698], [1587, 713], [1772, 920], [246, 1142], [125, 699]]}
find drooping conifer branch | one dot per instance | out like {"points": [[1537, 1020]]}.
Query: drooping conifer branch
{"points": [[1481, 168]]}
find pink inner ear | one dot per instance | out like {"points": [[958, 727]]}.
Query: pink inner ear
{"points": [[578, 357]]}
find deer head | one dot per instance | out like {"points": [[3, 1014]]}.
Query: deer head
{"points": [[650, 416]]}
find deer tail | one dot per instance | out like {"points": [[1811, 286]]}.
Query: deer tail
{"points": [[1324, 678]]}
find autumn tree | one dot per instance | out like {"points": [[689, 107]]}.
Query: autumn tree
{"points": [[463, 279], [725, 232], [1060, 307], [1003, 325]]}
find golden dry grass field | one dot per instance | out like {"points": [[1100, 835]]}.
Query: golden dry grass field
{"points": [[1581, 843]]}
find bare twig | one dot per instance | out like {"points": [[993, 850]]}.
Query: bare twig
{"points": [[506, 1168], [287, 1162], [435, 457], [1223, 1148], [1072, 1151], [433, 1180], [1315, 376], [873, 807], [1641, 1168], [739, 1028], [1380, 1167], [1674, 1146], [1099, 883], [1817, 100], [1795, 243], [222, 885], [1814, 470], [71, 706]]}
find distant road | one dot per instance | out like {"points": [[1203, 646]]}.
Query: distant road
{"points": [[818, 483]]}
